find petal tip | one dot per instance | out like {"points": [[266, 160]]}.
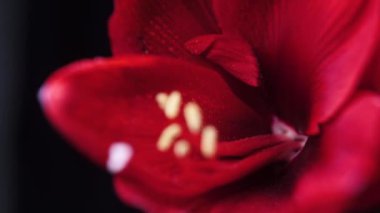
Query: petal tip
{"points": [[120, 154], [49, 93], [42, 94]]}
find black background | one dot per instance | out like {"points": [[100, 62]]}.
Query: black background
{"points": [[40, 171]]}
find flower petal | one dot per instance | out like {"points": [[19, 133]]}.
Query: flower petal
{"points": [[348, 159], [110, 110], [220, 184], [158, 26], [311, 53], [332, 177], [232, 54]]}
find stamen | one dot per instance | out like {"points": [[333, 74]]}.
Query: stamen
{"points": [[119, 155], [193, 117], [161, 99], [181, 148], [209, 141], [173, 103], [167, 137]]}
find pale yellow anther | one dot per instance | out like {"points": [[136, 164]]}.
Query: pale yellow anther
{"points": [[167, 137], [193, 117], [173, 104], [209, 139], [161, 99], [181, 148]]}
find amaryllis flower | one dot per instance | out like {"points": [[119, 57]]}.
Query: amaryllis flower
{"points": [[231, 106]]}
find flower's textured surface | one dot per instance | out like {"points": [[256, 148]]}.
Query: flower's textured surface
{"points": [[244, 106]]}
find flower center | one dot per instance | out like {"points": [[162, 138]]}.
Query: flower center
{"points": [[170, 104], [187, 135]]}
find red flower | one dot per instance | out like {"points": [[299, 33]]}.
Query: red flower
{"points": [[207, 105]]}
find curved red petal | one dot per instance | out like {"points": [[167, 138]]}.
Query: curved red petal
{"points": [[108, 109], [129, 86], [158, 26], [311, 53], [206, 185], [348, 159], [232, 54]]}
